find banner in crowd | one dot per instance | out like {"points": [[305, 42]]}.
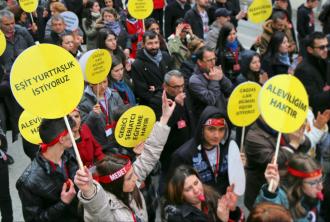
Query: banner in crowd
{"points": [[71, 20], [28, 5], [260, 10], [47, 81], [28, 125], [242, 106], [140, 9], [134, 126], [96, 65]]}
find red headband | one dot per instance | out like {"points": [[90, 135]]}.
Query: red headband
{"points": [[304, 175], [116, 175], [215, 122], [44, 146]]}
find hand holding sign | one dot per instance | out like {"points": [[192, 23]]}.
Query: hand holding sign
{"points": [[283, 103], [47, 81]]}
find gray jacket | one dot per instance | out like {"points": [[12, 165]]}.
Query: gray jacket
{"points": [[212, 36], [206, 92], [105, 206]]}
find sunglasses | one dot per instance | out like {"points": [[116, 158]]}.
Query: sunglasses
{"points": [[315, 182], [321, 47]]}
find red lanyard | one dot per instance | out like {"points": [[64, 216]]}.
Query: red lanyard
{"points": [[235, 55], [216, 170], [105, 110], [134, 218]]}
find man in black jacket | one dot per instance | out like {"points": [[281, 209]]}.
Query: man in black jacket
{"points": [[45, 187], [173, 11], [198, 18], [148, 72], [207, 151], [312, 72]]}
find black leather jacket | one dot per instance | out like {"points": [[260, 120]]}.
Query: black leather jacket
{"points": [[40, 186]]}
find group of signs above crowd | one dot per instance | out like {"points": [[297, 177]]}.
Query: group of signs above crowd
{"points": [[49, 86]]}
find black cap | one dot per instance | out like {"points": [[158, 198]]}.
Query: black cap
{"points": [[222, 12]]}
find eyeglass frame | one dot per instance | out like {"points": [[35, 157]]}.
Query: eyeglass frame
{"points": [[314, 183]]}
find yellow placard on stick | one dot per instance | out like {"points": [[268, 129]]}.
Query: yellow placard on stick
{"points": [[134, 126], [47, 81], [28, 5], [260, 10], [3, 42], [283, 103], [243, 104], [28, 125], [140, 9], [96, 65]]}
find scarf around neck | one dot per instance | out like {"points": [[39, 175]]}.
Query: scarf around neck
{"points": [[284, 58], [233, 46], [114, 26], [156, 59], [122, 86]]}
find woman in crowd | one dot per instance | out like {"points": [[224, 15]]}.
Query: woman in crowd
{"points": [[301, 188], [89, 149], [191, 200], [56, 8], [98, 108], [116, 195], [92, 15], [276, 59], [107, 39], [251, 68], [110, 20], [229, 51], [119, 81]]}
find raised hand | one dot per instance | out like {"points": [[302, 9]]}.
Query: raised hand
{"points": [[168, 107], [84, 181]]}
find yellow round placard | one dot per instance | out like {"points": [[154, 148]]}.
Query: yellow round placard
{"points": [[243, 104], [260, 10], [96, 65], [283, 103], [28, 125], [3, 42], [140, 9], [47, 81], [134, 126], [28, 5]]}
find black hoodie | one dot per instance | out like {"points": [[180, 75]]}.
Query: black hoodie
{"points": [[192, 153]]}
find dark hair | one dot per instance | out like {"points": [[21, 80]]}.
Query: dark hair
{"points": [[179, 21], [49, 129], [102, 36], [175, 185], [269, 212], [309, 40], [109, 165], [148, 22], [149, 35], [201, 51], [274, 45], [278, 15], [89, 17], [224, 33]]}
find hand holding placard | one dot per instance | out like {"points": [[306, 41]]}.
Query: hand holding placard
{"points": [[283, 104]]}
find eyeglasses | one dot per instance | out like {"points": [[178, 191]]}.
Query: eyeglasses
{"points": [[176, 87], [210, 60], [315, 182], [321, 47]]}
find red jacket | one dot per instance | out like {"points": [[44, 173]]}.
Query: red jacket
{"points": [[159, 4], [90, 150], [135, 28]]}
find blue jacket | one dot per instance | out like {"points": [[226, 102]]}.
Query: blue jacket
{"points": [[280, 197]]}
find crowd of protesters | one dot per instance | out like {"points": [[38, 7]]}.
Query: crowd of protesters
{"points": [[183, 61]]}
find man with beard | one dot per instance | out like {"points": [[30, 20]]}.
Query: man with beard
{"points": [[208, 85], [198, 18], [148, 72]]}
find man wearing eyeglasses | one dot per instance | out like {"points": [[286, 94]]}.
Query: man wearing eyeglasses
{"points": [[182, 121], [208, 85], [312, 72]]}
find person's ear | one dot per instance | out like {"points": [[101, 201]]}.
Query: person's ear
{"points": [[309, 50]]}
